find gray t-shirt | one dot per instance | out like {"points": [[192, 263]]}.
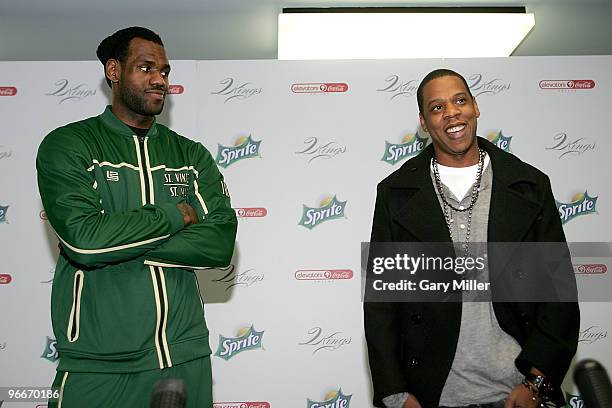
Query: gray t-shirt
{"points": [[483, 370]]}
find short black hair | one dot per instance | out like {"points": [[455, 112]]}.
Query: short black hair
{"points": [[116, 46], [438, 73]]}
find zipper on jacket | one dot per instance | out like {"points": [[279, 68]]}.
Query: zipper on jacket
{"points": [[144, 169], [156, 274]]}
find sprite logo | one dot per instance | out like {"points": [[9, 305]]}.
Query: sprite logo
{"points": [[573, 401], [244, 148], [330, 209], [582, 204], [333, 399], [499, 140], [3, 211], [410, 146], [50, 352], [247, 339]]}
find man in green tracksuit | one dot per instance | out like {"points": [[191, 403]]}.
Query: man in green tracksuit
{"points": [[136, 208]]}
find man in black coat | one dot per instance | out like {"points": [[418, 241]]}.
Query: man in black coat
{"points": [[453, 353]]}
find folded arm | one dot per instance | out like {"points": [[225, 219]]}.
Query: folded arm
{"points": [[89, 236], [210, 242]]}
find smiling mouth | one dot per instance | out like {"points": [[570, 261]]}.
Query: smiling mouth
{"points": [[456, 131]]}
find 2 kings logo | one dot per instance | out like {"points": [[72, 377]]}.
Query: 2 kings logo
{"points": [[3, 211], [231, 277], [478, 83], [319, 340], [233, 90], [66, 92]]}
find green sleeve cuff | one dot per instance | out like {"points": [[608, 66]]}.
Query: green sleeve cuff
{"points": [[174, 216]]}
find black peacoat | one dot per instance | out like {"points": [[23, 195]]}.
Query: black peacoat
{"points": [[411, 346]]}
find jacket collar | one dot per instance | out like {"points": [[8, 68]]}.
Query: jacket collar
{"points": [[510, 213], [115, 124]]}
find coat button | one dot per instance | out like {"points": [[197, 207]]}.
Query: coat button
{"points": [[414, 362], [525, 319], [416, 318]]}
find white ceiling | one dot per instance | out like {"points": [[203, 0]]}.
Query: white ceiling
{"points": [[246, 29]]}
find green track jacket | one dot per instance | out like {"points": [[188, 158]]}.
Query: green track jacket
{"points": [[125, 297]]}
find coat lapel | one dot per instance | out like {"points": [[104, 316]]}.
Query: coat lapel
{"points": [[414, 205], [413, 201], [511, 214]]}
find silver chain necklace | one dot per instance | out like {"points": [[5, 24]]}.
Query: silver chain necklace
{"points": [[448, 207]]}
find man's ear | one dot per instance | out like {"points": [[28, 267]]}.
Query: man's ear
{"points": [[476, 109], [423, 124], [113, 70]]}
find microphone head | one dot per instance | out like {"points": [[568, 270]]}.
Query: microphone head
{"points": [[594, 384], [169, 393]]}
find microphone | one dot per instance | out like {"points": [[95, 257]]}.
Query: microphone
{"points": [[594, 384], [169, 393]]}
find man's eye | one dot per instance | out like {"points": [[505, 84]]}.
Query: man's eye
{"points": [[144, 68], [461, 100], [436, 107], [165, 74]]}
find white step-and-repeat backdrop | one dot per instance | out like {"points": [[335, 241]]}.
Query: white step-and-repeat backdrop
{"points": [[291, 137]]}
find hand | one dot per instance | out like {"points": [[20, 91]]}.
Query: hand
{"points": [[521, 397], [412, 402], [190, 217]]}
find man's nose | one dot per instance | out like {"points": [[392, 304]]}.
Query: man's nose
{"points": [[451, 110], [157, 78]]}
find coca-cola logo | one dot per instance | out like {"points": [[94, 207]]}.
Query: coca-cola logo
{"points": [[567, 84], [5, 279], [8, 91], [67, 92], [176, 89], [318, 87], [323, 274], [251, 212], [590, 269], [241, 405]]}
